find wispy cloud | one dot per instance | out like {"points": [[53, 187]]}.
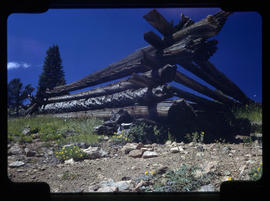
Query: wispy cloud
{"points": [[14, 65]]}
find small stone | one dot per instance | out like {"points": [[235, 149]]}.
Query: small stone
{"points": [[200, 154], [149, 154], [176, 149], [69, 162], [29, 153], [122, 185], [191, 144], [93, 188], [207, 188], [129, 147], [26, 130], [173, 144], [16, 164], [15, 149], [108, 189], [227, 173], [135, 153]]}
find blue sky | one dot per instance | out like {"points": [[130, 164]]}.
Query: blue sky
{"points": [[91, 39]]}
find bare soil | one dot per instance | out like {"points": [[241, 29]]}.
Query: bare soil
{"points": [[223, 160]]}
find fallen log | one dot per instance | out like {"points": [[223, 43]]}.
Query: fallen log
{"points": [[159, 22], [136, 111], [225, 84], [185, 80], [205, 28], [154, 78], [125, 98]]}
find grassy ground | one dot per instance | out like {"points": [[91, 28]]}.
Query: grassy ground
{"points": [[53, 129], [252, 112], [74, 130]]}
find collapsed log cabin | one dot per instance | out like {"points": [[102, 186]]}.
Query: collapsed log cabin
{"points": [[150, 69]]}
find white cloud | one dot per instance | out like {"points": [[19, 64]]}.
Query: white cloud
{"points": [[15, 65]]}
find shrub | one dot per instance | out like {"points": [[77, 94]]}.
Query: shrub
{"points": [[256, 172], [148, 133], [182, 179], [69, 152]]}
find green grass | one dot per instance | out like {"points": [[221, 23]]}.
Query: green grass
{"points": [[50, 128], [252, 112]]}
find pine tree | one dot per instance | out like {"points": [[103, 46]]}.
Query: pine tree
{"points": [[53, 74], [16, 96]]}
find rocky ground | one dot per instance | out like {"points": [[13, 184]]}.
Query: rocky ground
{"points": [[131, 167]]}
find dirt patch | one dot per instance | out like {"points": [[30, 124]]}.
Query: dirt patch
{"points": [[220, 160]]}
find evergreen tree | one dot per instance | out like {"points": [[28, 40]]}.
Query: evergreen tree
{"points": [[16, 96], [53, 74]]}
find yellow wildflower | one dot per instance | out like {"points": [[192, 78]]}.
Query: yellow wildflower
{"points": [[153, 172], [258, 168], [202, 133], [146, 172], [229, 178]]}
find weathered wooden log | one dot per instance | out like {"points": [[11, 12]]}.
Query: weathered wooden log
{"points": [[136, 111], [159, 22], [196, 99], [155, 77], [205, 28], [198, 48], [225, 84], [154, 40], [121, 99], [184, 22], [185, 80], [149, 78]]}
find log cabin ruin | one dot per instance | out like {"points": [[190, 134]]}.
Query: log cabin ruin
{"points": [[145, 91]]}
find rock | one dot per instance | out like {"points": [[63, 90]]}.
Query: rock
{"points": [[111, 186], [135, 153], [199, 154], [121, 116], [140, 184], [26, 131], [227, 173], [207, 188], [147, 149], [69, 162], [108, 189], [16, 164], [29, 153], [15, 150], [149, 154], [129, 147], [169, 142], [173, 144], [123, 185], [93, 188], [176, 149], [94, 152]]}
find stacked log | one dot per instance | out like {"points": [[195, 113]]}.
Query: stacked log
{"points": [[150, 69]]}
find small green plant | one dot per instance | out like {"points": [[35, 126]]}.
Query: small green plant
{"points": [[69, 152], [197, 137], [252, 112], [148, 133], [256, 172], [69, 176], [182, 179], [120, 137]]}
